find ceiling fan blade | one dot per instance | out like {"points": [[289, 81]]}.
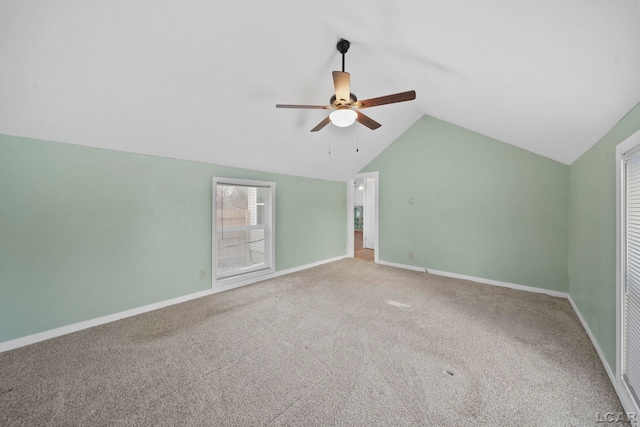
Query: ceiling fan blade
{"points": [[389, 99], [368, 121], [310, 107], [322, 124], [341, 81]]}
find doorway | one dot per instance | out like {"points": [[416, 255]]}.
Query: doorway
{"points": [[627, 375], [362, 227]]}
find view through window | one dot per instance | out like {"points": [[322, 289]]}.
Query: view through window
{"points": [[243, 231]]}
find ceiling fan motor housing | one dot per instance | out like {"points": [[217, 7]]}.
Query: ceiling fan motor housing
{"points": [[336, 103]]}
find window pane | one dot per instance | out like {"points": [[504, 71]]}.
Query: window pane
{"points": [[239, 250], [239, 206]]}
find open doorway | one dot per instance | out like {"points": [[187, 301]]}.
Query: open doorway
{"points": [[362, 226]]}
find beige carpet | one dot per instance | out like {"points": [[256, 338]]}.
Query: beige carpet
{"points": [[321, 347]]}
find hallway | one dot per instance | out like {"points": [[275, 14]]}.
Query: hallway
{"points": [[358, 250]]}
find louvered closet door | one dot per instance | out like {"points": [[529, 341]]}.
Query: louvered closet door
{"points": [[632, 271]]}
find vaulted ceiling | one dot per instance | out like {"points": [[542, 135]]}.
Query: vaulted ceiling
{"points": [[199, 80]]}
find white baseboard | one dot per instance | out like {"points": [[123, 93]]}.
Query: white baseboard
{"points": [[478, 279], [607, 368], [75, 327], [623, 394], [306, 266]]}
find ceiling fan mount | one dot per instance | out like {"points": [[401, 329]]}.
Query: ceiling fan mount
{"points": [[343, 46], [347, 103]]}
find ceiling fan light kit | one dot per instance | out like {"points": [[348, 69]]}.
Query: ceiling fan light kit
{"points": [[343, 118], [345, 104]]}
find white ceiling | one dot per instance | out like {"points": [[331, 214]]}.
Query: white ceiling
{"points": [[199, 80]]}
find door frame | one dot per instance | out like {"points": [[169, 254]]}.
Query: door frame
{"points": [[350, 207], [625, 395]]}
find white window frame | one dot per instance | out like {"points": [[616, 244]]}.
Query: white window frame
{"points": [[270, 233], [625, 395]]}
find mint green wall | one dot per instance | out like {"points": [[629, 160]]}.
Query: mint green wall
{"points": [[592, 234], [86, 232], [481, 208]]}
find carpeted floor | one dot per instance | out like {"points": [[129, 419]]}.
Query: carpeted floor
{"points": [[332, 345]]}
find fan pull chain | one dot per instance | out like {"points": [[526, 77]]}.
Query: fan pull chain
{"points": [[358, 139]]}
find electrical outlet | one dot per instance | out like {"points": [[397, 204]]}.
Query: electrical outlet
{"points": [[410, 255], [203, 274]]}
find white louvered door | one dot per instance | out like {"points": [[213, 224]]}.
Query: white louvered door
{"points": [[631, 271]]}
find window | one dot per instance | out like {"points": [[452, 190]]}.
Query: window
{"points": [[243, 229]]}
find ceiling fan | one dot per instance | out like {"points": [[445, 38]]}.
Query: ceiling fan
{"points": [[345, 105]]}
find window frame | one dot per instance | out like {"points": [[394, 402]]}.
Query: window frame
{"points": [[626, 148], [269, 230]]}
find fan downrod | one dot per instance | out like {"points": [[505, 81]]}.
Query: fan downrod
{"points": [[343, 47]]}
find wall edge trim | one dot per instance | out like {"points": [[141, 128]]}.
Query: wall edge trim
{"points": [[620, 389], [478, 279], [85, 324]]}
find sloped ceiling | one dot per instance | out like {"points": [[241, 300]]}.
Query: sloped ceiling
{"points": [[199, 80]]}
